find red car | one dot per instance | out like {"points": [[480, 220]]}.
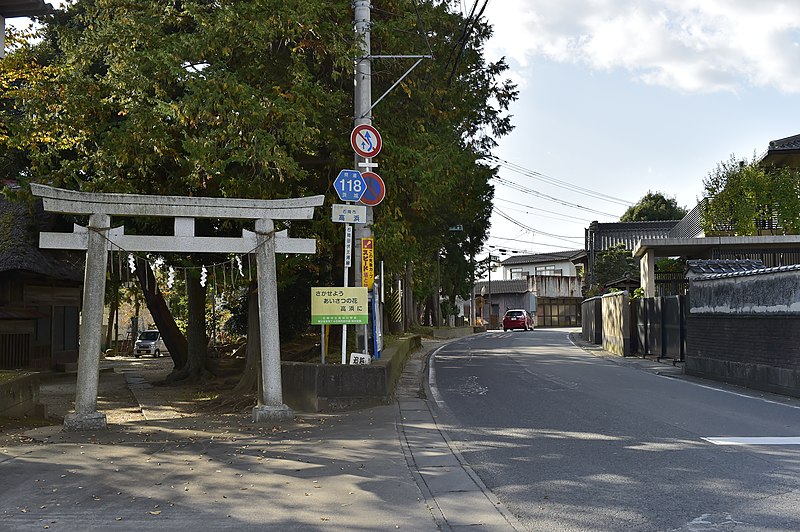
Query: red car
{"points": [[517, 319]]}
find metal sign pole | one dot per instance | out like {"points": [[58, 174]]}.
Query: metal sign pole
{"points": [[348, 242]]}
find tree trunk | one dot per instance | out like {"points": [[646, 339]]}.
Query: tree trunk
{"points": [[197, 342], [410, 315], [172, 335], [252, 369]]}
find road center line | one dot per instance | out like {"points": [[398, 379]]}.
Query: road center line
{"points": [[790, 440]]}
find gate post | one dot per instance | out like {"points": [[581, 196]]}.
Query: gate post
{"points": [[270, 405], [85, 416]]}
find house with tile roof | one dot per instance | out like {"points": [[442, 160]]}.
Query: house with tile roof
{"points": [[40, 292]]}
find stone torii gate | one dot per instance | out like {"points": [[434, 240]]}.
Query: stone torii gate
{"points": [[99, 238]]}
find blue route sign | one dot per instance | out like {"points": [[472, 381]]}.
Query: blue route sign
{"points": [[350, 185]]}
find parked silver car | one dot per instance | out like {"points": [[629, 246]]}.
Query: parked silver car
{"points": [[150, 343]]}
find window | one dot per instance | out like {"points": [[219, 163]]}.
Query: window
{"points": [[548, 270], [516, 273]]}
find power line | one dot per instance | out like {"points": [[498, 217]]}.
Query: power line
{"points": [[557, 182], [538, 194], [532, 230], [537, 212], [536, 244]]}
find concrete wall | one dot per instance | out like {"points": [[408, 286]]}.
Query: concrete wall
{"points": [[316, 387], [617, 323], [19, 394], [745, 329]]}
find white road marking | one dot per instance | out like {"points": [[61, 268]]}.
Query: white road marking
{"points": [[790, 440], [432, 378]]}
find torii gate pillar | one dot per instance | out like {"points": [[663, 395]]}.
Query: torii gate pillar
{"points": [[86, 416], [270, 405]]}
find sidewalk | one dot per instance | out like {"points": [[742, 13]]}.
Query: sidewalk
{"points": [[160, 464]]}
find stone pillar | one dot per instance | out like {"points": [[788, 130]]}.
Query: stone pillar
{"points": [[270, 407], [85, 416], [647, 273]]}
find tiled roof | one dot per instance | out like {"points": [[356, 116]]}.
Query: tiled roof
{"points": [[543, 257], [789, 143], [758, 271], [513, 286], [723, 266], [24, 8]]}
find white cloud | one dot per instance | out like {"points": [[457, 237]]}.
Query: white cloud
{"points": [[685, 45]]}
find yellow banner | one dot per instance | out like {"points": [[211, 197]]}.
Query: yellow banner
{"points": [[367, 262]]}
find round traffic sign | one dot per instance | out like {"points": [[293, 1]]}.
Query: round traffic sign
{"points": [[366, 141], [375, 191]]}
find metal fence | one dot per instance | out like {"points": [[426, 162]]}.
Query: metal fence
{"points": [[661, 327]]}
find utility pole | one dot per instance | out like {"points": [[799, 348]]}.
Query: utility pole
{"points": [[362, 104]]}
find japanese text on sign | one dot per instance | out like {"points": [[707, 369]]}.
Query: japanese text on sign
{"points": [[349, 214], [339, 305], [367, 262]]}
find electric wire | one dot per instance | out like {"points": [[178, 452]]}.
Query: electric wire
{"points": [[537, 212], [542, 195], [422, 27], [558, 182], [535, 231], [558, 246]]}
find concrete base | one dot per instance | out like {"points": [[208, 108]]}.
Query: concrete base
{"points": [[272, 414], [74, 422]]}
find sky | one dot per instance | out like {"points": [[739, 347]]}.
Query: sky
{"points": [[621, 97]]}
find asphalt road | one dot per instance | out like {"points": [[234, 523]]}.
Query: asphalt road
{"points": [[572, 441]]}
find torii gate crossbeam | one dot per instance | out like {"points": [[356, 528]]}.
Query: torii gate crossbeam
{"points": [[98, 238]]}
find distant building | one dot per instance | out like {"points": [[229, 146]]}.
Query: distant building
{"points": [[548, 285]]}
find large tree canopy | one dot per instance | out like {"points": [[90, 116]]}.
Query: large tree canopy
{"points": [[743, 198], [653, 206], [254, 99]]}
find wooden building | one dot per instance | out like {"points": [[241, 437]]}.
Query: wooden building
{"points": [[40, 292]]}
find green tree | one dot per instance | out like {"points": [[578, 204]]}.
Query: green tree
{"points": [[254, 99], [614, 263], [742, 198], [654, 206]]}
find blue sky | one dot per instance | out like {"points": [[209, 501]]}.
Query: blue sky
{"points": [[623, 97]]}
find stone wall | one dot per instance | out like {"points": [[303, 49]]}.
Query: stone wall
{"points": [[19, 394], [745, 329], [316, 387]]}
